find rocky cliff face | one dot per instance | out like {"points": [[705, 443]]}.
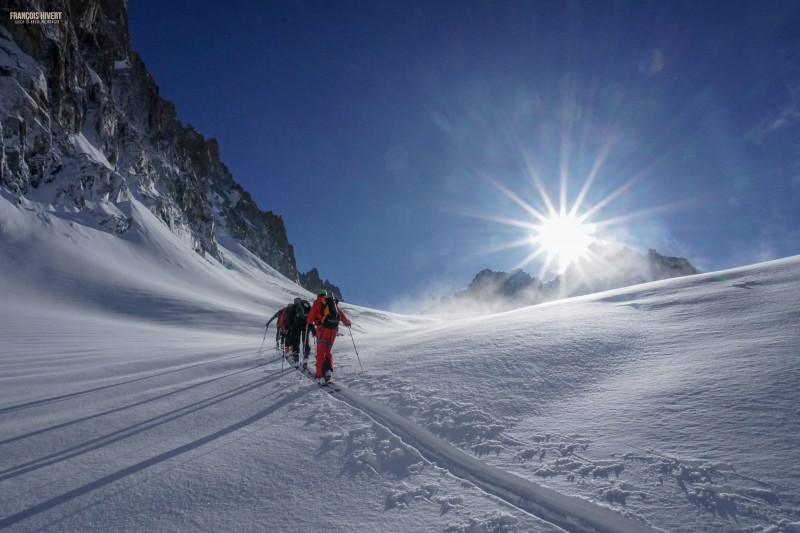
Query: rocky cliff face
{"points": [[82, 126]]}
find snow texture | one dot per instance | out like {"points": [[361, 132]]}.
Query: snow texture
{"points": [[135, 395]]}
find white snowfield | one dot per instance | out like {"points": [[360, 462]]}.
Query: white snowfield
{"points": [[135, 396]]}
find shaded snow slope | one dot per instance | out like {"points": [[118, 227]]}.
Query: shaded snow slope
{"points": [[134, 396]]}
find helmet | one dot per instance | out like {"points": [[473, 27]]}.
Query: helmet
{"points": [[298, 300], [322, 292]]}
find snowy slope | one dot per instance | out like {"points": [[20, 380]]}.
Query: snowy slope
{"points": [[134, 396]]}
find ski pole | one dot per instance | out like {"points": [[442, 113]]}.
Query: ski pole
{"points": [[354, 347], [265, 337]]}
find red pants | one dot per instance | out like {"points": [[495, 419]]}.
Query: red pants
{"points": [[325, 338]]}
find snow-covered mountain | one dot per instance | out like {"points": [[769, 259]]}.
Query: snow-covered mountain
{"points": [[82, 127], [135, 396]]}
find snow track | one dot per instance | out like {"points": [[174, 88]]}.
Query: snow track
{"points": [[572, 513]]}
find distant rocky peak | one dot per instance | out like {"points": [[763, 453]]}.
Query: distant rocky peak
{"points": [[609, 266], [312, 282], [663, 267], [502, 282]]}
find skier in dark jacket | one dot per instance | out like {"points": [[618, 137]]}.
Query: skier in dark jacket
{"points": [[294, 321]]}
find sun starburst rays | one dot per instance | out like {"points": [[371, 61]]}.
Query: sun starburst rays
{"points": [[559, 236], [564, 218]]}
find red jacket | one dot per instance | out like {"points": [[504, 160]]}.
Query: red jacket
{"points": [[282, 319], [315, 315]]}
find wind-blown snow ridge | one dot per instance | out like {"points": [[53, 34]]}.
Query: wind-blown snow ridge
{"points": [[573, 513]]}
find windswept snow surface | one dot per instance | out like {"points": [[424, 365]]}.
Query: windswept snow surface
{"points": [[134, 396]]}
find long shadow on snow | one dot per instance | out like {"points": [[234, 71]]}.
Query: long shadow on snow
{"points": [[71, 395], [130, 406], [165, 310], [147, 463], [130, 431]]}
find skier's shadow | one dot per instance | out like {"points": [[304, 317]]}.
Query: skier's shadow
{"points": [[123, 408], [147, 463], [53, 399]]}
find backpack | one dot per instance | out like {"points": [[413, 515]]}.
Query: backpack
{"points": [[301, 313], [296, 316], [330, 314]]}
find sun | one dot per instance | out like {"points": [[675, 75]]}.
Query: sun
{"points": [[565, 238], [558, 236], [562, 230]]}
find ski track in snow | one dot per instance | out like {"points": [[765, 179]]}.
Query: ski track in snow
{"points": [[574, 514], [716, 488], [377, 442]]}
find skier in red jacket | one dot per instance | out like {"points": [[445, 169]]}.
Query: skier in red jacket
{"points": [[326, 315]]}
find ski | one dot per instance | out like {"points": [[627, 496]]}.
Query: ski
{"points": [[329, 387]]}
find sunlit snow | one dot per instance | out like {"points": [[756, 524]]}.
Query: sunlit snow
{"points": [[134, 397]]}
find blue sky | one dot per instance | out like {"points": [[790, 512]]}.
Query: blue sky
{"points": [[385, 133]]}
